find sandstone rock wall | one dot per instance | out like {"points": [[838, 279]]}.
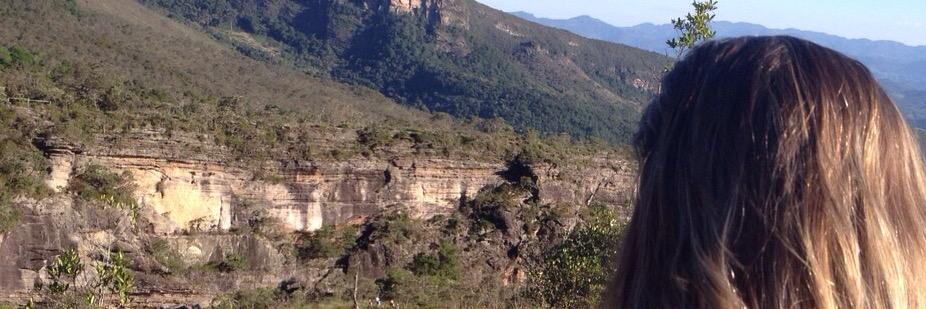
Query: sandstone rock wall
{"points": [[201, 195], [195, 200], [444, 12]]}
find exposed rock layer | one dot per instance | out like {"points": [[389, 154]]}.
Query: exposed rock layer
{"points": [[182, 198], [205, 195]]}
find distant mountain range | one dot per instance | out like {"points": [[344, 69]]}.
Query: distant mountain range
{"points": [[900, 68]]}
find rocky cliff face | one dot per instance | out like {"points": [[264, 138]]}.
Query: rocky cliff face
{"points": [[410, 5], [405, 6], [208, 195], [435, 11], [197, 204], [203, 195]]}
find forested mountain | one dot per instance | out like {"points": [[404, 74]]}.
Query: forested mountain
{"points": [[124, 48], [453, 56], [901, 68]]}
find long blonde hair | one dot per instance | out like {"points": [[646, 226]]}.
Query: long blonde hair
{"points": [[775, 173]]}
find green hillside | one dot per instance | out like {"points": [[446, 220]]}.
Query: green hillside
{"points": [[97, 73], [455, 56], [122, 42]]}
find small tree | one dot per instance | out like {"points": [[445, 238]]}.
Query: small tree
{"points": [[443, 264], [116, 277], [65, 291], [98, 184], [694, 27], [63, 271], [574, 273]]}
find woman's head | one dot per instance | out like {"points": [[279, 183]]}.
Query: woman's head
{"points": [[774, 173]]}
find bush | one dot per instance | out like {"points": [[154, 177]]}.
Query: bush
{"points": [[325, 243], [96, 183], [15, 56], [392, 227], [256, 298], [390, 286], [6, 58], [161, 251], [401, 288], [229, 263], [442, 264], [533, 149], [492, 206], [374, 137], [9, 217], [573, 273], [21, 167], [429, 280], [111, 100], [113, 276], [502, 196], [266, 298], [63, 271]]}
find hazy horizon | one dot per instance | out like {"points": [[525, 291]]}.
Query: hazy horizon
{"points": [[901, 21]]}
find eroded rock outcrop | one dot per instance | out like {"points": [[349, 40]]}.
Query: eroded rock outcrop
{"points": [[201, 206], [199, 194], [204, 195]]}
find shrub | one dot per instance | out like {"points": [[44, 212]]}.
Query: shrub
{"points": [[260, 223], [96, 183], [442, 264], [327, 242], [401, 288], [573, 273], [230, 103], [111, 100], [6, 58], [374, 137], [266, 298], [492, 206], [502, 196], [430, 280], [533, 149], [229, 263], [161, 251], [20, 57], [115, 277], [63, 271], [256, 298], [21, 167], [390, 286], [9, 217], [393, 227]]}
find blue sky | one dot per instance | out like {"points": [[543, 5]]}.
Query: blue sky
{"points": [[898, 20]]}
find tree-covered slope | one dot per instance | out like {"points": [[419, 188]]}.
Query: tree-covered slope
{"points": [[454, 56], [74, 71], [123, 45]]}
